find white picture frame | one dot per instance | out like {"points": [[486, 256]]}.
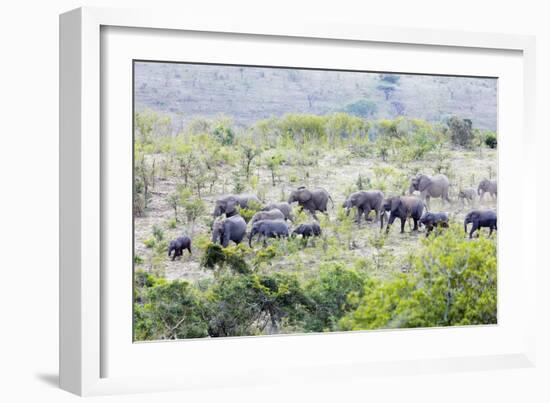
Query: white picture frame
{"points": [[83, 295]]}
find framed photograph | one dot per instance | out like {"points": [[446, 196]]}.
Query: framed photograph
{"points": [[313, 201]]}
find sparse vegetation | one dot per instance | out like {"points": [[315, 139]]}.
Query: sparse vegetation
{"points": [[350, 277]]}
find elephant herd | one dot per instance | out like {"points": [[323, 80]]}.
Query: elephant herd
{"points": [[271, 221]]}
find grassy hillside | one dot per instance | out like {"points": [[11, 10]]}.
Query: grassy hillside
{"points": [[184, 91]]}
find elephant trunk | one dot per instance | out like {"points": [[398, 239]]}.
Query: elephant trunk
{"points": [[411, 189], [382, 214], [250, 238]]}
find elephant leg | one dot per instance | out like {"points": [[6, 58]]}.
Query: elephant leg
{"points": [[189, 249], [359, 214], [415, 221], [474, 228], [490, 230], [403, 224]]}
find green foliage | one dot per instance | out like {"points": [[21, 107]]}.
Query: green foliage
{"points": [[390, 78], [453, 283], [363, 108], [215, 258], [224, 134], [171, 310], [491, 140], [328, 293], [460, 131]]}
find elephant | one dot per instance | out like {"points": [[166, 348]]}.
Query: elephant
{"points": [[430, 186], [228, 204], [268, 229], [467, 194], [178, 245], [307, 230], [487, 186], [283, 207], [229, 229], [311, 200], [433, 220], [480, 219], [274, 214], [365, 202], [402, 207]]}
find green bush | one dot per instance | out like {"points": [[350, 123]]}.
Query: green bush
{"points": [[172, 310], [363, 108], [453, 282], [328, 293], [491, 140], [460, 131]]}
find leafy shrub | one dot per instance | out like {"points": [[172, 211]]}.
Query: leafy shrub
{"points": [[453, 282], [491, 140], [328, 293], [363, 108], [149, 243], [172, 310], [460, 131]]}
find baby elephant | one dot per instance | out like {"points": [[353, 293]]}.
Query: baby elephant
{"points": [[178, 245], [268, 229], [433, 220], [467, 194], [307, 230], [480, 219]]}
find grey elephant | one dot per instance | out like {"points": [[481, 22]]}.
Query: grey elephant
{"points": [[178, 245], [229, 229], [480, 219], [402, 207], [268, 229], [430, 186], [434, 220], [283, 207], [228, 204], [307, 230], [467, 194], [365, 202], [487, 186], [274, 214], [311, 200]]}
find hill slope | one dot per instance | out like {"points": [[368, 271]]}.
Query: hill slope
{"points": [[248, 94]]}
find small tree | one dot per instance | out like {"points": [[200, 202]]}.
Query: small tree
{"points": [[273, 164], [249, 152], [460, 131]]}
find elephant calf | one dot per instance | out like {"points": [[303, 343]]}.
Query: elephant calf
{"points": [[480, 219], [307, 230], [433, 220], [178, 245], [274, 214], [467, 194], [268, 229]]}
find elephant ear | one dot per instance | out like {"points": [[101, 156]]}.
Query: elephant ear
{"points": [[423, 182], [304, 196]]}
